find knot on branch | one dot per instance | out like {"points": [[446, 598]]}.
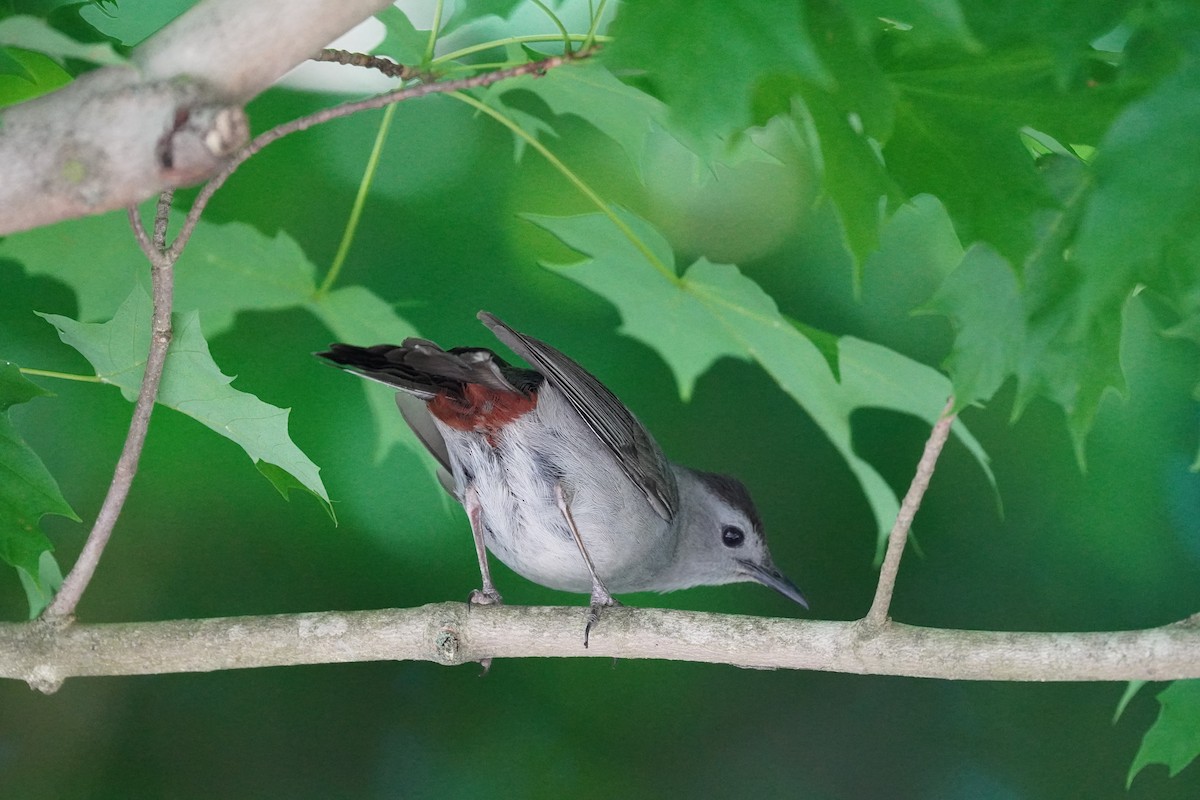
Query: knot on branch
{"points": [[871, 626], [110, 139], [199, 141], [447, 645], [45, 679]]}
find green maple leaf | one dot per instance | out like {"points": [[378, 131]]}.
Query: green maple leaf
{"points": [[983, 301], [706, 59], [1174, 738], [403, 43], [713, 310], [27, 493], [470, 10], [1145, 199], [589, 91], [226, 267], [193, 384]]}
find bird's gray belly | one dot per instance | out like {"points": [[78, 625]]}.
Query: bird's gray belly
{"points": [[524, 527]]}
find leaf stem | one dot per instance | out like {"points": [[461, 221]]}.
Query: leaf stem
{"points": [[562, 29], [66, 376], [527, 39], [434, 28], [457, 68], [162, 277], [360, 201], [577, 181], [591, 34], [878, 613]]}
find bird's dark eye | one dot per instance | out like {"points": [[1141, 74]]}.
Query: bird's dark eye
{"points": [[732, 536]]}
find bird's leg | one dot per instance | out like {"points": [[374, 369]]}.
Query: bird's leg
{"points": [[487, 596], [601, 598]]}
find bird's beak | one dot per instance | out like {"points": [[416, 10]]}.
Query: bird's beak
{"points": [[768, 575]]}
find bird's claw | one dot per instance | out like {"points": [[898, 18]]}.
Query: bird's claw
{"points": [[488, 596], [599, 603]]}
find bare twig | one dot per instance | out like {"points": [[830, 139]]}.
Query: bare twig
{"points": [[381, 63], [908, 509], [139, 233], [162, 279], [162, 216], [453, 633], [325, 115]]}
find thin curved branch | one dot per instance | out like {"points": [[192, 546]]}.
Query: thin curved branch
{"points": [[898, 537], [382, 64], [346, 109], [163, 282], [44, 655]]}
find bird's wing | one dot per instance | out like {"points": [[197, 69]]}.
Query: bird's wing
{"points": [[615, 426], [416, 414]]}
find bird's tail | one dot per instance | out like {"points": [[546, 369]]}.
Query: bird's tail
{"points": [[422, 368]]}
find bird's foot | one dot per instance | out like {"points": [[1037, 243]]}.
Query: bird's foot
{"points": [[601, 600], [487, 596]]}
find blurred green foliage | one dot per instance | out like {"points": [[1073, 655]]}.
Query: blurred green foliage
{"points": [[1027, 172]]}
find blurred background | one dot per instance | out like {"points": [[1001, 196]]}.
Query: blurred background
{"points": [[204, 535]]}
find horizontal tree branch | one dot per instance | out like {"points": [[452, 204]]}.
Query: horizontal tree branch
{"points": [[119, 135], [46, 653]]}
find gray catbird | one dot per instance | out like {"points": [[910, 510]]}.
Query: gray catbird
{"points": [[559, 479]]}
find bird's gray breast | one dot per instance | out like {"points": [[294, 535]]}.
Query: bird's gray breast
{"points": [[514, 473]]}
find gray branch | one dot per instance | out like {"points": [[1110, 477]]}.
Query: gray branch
{"points": [[898, 536], [119, 135], [46, 653]]}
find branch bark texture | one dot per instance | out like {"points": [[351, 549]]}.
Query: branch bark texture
{"points": [[119, 135], [44, 654]]}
